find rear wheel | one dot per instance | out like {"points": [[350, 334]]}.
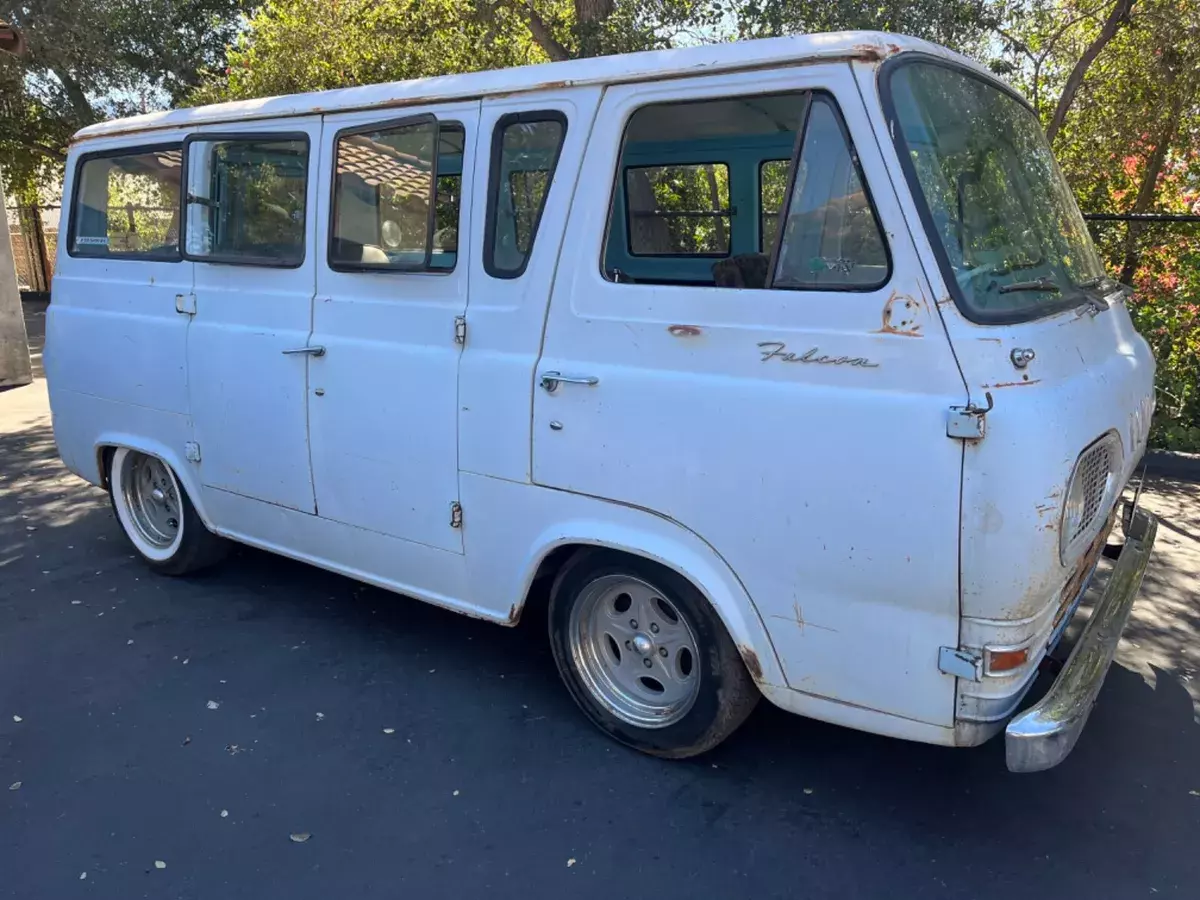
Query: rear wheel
{"points": [[645, 656], [157, 515]]}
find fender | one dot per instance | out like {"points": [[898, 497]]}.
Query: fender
{"points": [[183, 471], [707, 572], [505, 553]]}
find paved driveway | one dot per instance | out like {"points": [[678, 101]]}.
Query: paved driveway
{"points": [[428, 755]]}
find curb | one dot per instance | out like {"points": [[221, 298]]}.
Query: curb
{"points": [[1167, 464]]}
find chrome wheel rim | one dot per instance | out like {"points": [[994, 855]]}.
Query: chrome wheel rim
{"points": [[152, 499], [635, 651]]}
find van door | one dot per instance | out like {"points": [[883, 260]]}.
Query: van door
{"points": [[800, 431], [391, 282], [250, 228]]}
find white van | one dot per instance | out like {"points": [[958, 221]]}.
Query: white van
{"points": [[788, 365]]}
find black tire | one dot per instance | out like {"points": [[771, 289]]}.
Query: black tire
{"points": [[726, 693], [195, 547]]}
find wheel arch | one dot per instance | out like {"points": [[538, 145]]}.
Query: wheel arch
{"points": [[702, 566], [108, 443]]}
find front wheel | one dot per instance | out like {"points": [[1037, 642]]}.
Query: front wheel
{"points": [[157, 515], [645, 656]]}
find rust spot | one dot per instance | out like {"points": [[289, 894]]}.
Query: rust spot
{"points": [[750, 658], [684, 331], [1006, 384], [901, 316], [873, 52]]}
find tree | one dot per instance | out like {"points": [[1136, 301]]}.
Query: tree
{"points": [[91, 59]]}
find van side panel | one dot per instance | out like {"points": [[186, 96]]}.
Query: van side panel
{"points": [[115, 353]]}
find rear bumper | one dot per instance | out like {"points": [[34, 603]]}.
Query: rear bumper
{"points": [[1042, 736]]}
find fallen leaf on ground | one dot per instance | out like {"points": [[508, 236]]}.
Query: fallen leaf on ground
{"points": [[15, 786], [128, 642], [224, 814], [187, 740], [1194, 793], [82, 876], [389, 731], [213, 704], [18, 719], [76, 602], [808, 790], [320, 716], [159, 864], [456, 793], [299, 837], [570, 862]]}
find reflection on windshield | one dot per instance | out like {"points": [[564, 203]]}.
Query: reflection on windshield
{"points": [[1015, 240]]}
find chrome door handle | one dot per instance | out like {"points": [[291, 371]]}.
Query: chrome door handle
{"points": [[311, 351], [551, 380]]}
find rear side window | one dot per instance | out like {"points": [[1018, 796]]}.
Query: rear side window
{"points": [[246, 199], [678, 210], [525, 151], [127, 205]]}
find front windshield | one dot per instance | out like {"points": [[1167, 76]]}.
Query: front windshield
{"points": [[1013, 237]]}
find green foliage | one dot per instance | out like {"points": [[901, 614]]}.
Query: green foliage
{"points": [[91, 59]]}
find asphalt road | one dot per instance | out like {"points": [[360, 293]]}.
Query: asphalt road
{"points": [[492, 783]]}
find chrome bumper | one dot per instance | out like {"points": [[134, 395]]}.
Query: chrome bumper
{"points": [[1042, 736]]}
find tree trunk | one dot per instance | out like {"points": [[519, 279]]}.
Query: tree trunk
{"points": [[1117, 17], [593, 12], [75, 94], [541, 34]]}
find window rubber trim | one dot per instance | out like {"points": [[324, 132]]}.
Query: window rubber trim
{"points": [[887, 100], [134, 150], [261, 262], [493, 197]]}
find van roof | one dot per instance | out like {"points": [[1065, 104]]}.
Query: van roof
{"points": [[684, 61]]}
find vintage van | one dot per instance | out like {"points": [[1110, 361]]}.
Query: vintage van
{"points": [[786, 368]]}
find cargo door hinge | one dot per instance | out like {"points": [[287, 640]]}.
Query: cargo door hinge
{"points": [[966, 664], [460, 329], [969, 423], [456, 515], [185, 304], [191, 450]]}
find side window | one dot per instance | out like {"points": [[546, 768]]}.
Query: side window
{"points": [[246, 199], [831, 237], [525, 151], [127, 205], [704, 188], [680, 210], [396, 196]]}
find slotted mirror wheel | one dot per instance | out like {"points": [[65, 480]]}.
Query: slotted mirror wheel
{"points": [[645, 656]]}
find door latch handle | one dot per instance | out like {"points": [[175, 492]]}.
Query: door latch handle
{"points": [[311, 351], [551, 380]]}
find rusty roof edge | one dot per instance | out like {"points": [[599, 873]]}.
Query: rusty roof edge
{"points": [[622, 69]]}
